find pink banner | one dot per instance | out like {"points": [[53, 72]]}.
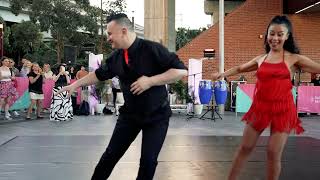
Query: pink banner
{"points": [[248, 89], [47, 92], [23, 100], [309, 99], [23, 85], [78, 92]]}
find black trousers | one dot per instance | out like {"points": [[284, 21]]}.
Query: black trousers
{"points": [[114, 94], [154, 129]]}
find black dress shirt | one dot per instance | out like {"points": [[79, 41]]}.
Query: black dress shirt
{"points": [[146, 58]]}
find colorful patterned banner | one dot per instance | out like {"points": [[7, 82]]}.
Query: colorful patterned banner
{"points": [[47, 92], [23, 100], [244, 97]]}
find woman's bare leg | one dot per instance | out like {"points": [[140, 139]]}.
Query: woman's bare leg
{"points": [[276, 145], [39, 107], [6, 107], [249, 140], [33, 102]]}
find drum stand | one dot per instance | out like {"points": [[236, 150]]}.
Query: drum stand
{"points": [[213, 109]]}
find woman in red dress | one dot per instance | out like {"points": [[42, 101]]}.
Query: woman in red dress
{"points": [[273, 104]]}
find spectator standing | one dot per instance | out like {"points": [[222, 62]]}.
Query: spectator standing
{"points": [[72, 72], [14, 72], [81, 73], [47, 73], [12, 68], [115, 89], [35, 90], [61, 105], [26, 68], [7, 89]]}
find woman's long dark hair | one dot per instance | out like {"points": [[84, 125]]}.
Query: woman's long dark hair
{"points": [[289, 44]]}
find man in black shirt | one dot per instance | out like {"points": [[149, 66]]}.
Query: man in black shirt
{"points": [[143, 67]]}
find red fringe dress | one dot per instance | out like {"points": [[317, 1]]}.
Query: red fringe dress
{"points": [[273, 102]]}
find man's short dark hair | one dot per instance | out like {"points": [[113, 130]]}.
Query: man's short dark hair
{"points": [[116, 17], [121, 19]]}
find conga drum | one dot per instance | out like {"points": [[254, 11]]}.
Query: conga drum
{"points": [[220, 92], [205, 91]]}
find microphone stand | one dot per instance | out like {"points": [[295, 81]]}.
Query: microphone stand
{"points": [[193, 115]]}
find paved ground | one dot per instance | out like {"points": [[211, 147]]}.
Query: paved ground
{"points": [[195, 149], [103, 125]]}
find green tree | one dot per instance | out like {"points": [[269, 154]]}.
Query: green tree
{"points": [[63, 18], [6, 34], [71, 22], [7, 46], [46, 53], [111, 7], [115, 6], [186, 35], [26, 36], [17, 5]]}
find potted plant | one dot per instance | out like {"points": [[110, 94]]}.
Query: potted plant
{"points": [[102, 89], [197, 108], [180, 88]]}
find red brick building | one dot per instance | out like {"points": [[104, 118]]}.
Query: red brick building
{"points": [[245, 28]]}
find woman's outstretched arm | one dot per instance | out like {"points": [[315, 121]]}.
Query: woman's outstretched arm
{"points": [[306, 64], [246, 67]]}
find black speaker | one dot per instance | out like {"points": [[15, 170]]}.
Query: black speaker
{"points": [[209, 53], [70, 54]]}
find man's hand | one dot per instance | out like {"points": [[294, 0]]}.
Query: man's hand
{"points": [[142, 84], [70, 88]]}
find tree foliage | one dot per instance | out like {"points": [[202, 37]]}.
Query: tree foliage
{"points": [[110, 7], [115, 6], [63, 18], [18, 5], [26, 36], [74, 22], [186, 35], [6, 40], [44, 54], [6, 33]]}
